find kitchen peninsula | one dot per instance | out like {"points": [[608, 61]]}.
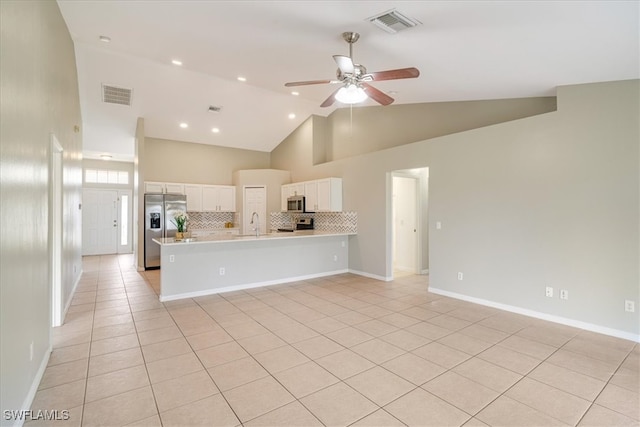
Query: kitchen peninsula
{"points": [[225, 263]]}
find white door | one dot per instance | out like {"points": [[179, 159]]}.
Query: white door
{"points": [[99, 222], [255, 200], [405, 224]]}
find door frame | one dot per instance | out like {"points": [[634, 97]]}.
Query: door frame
{"points": [[55, 230], [419, 218]]}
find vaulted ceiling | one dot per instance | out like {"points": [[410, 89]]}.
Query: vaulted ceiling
{"points": [[465, 50]]}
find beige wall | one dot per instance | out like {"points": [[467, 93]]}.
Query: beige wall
{"points": [[396, 125], [39, 96], [179, 161], [549, 200]]}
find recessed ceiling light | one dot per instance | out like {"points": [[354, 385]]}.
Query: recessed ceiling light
{"points": [[294, 93], [242, 79], [292, 116], [215, 130], [106, 156], [184, 125], [176, 62], [105, 39]]}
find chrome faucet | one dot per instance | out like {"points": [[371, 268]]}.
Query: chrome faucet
{"points": [[257, 228]]}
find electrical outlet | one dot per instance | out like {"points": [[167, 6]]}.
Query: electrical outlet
{"points": [[438, 225], [31, 351], [549, 291], [222, 271], [172, 258], [564, 294], [335, 257], [460, 275], [629, 306], [344, 243]]}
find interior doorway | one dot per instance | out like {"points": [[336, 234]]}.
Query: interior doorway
{"points": [[55, 231], [254, 200], [408, 222]]}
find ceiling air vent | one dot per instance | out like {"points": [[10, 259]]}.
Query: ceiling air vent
{"points": [[393, 21], [214, 109], [116, 95]]}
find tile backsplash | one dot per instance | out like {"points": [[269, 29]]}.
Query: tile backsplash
{"points": [[208, 220], [337, 222]]}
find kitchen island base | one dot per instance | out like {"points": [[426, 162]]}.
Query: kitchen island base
{"points": [[194, 269]]}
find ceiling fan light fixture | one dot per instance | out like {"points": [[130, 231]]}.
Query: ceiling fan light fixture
{"points": [[351, 94]]}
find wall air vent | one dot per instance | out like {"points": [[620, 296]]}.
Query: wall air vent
{"points": [[393, 21], [116, 95]]}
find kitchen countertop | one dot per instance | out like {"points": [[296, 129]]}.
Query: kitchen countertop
{"points": [[226, 238]]}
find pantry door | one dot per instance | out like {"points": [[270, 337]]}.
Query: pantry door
{"points": [[254, 200], [99, 222]]}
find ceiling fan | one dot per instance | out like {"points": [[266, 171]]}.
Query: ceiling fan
{"points": [[355, 79]]}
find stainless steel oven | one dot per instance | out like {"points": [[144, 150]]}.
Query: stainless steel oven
{"points": [[295, 204]]}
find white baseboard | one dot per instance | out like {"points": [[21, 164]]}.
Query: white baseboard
{"points": [[28, 401], [73, 292], [371, 276], [544, 316], [248, 286]]}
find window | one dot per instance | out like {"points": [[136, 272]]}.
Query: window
{"points": [[96, 176], [124, 220]]}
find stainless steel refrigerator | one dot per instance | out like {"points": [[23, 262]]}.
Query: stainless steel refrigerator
{"points": [[159, 210]]}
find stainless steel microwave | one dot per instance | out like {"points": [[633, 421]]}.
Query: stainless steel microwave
{"points": [[295, 204]]}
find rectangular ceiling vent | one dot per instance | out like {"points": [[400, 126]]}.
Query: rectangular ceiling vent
{"points": [[214, 109], [116, 95], [393, 21]]}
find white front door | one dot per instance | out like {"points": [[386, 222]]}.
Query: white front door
{"points": [[99, 222], [255, 200]]}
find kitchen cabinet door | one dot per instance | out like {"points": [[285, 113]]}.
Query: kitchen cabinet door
{"points": [[194, 197], [311, 196], [227, 198], [173, 188], [153, 187], [209, 198], [218, 198], [330, 195]]}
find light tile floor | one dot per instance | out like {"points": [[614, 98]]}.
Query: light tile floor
{"points": [[337, 351]]}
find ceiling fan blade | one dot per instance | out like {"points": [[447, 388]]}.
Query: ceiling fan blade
{"points": [[311, 82], [401, 73], [331, 99], [344, 63], [377, 95]]}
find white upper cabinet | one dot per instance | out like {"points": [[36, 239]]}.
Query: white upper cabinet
{"points": [[154, 187], [163, 187], [194, 197], [289, 190], [218, 198], [173, 188], [322, 195]]}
